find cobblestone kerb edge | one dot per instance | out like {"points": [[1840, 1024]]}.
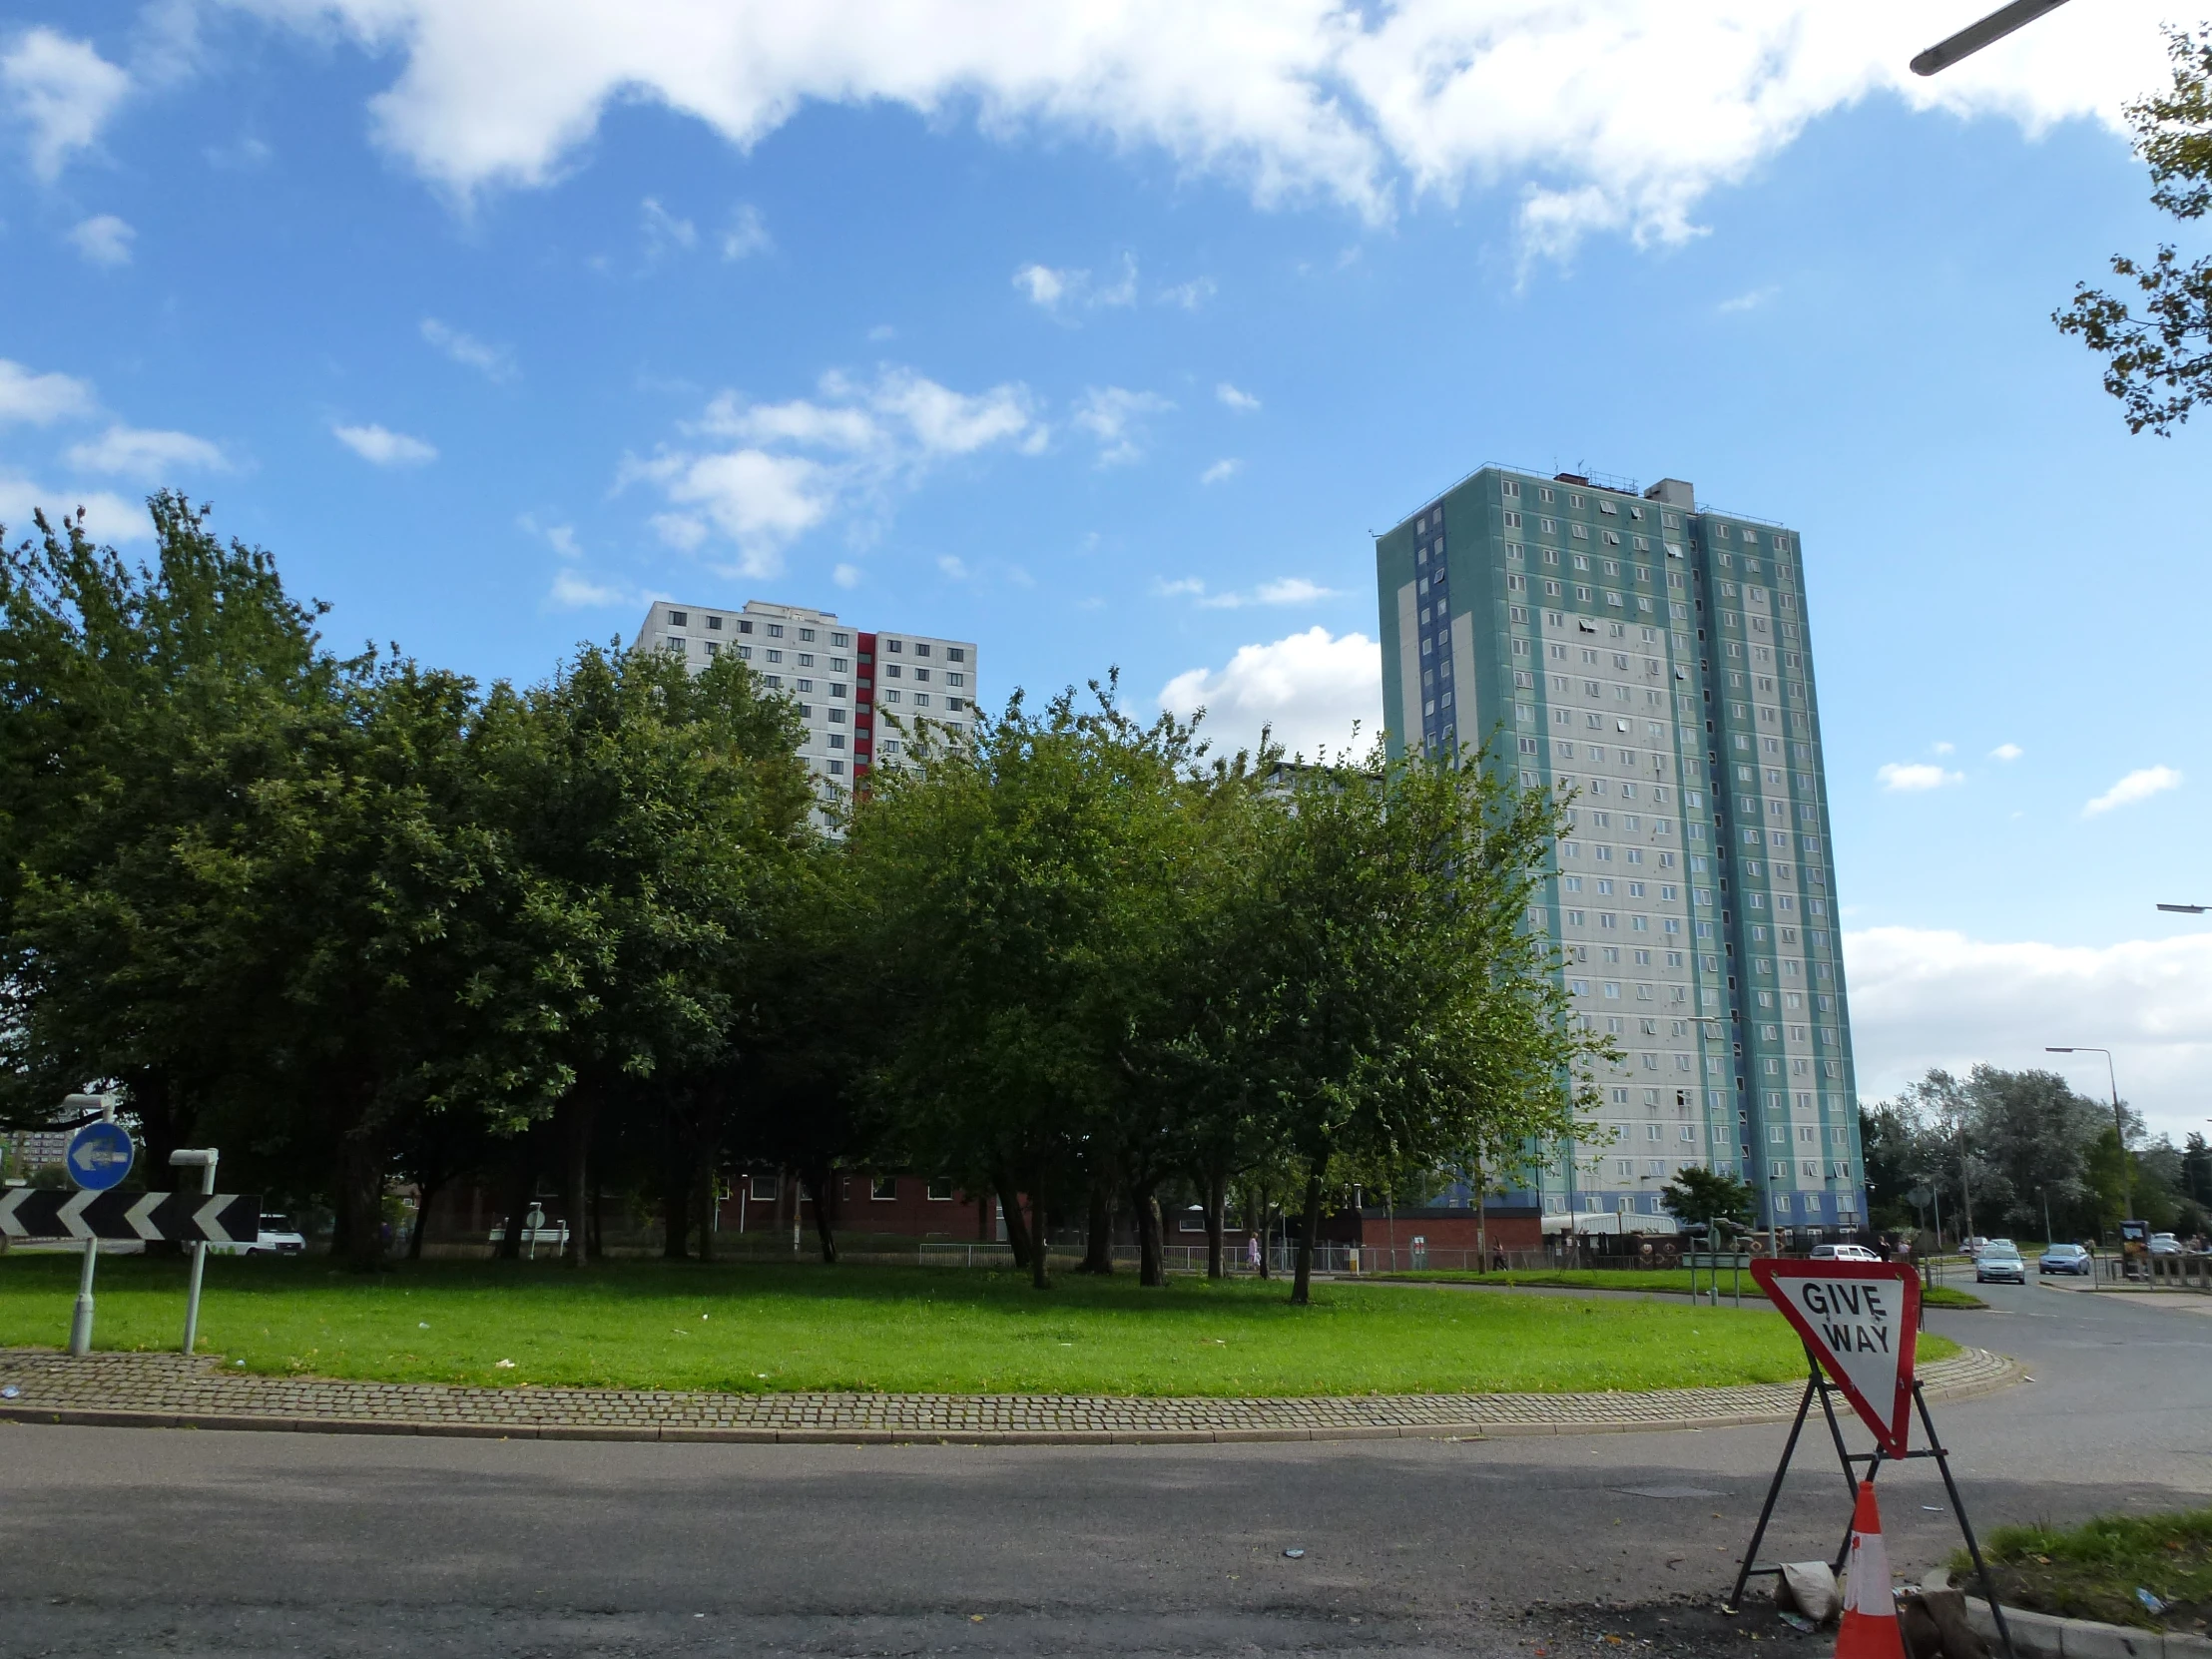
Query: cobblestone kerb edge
{"points": [[168, 1390]]}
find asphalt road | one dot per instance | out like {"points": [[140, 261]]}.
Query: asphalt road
{"points": [[117, 1541]]}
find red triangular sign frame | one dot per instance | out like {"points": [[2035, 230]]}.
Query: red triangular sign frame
{"points": [[1860, 1320]]}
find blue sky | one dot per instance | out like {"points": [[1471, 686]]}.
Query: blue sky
{"points": [[1111, 349]]}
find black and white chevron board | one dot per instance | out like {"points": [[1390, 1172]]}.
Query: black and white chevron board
{"points": [[185, 1217]]}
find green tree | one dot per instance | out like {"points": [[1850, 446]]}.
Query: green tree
{"points": [[1028, 878], [2158, 359], [1404, 1010], [140, 710], [656, 818], [1703, 1194]]}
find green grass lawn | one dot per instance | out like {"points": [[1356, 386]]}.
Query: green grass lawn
{"points": [[1652, 1279], [2093, 1570], [757, 1327]]}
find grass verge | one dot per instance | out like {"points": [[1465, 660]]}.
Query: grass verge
{"points": [[2094, 1570], [1647, 1279], [756, 1328]]}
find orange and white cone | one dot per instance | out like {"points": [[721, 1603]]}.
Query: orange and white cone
{"points": [[1869, 1624]]}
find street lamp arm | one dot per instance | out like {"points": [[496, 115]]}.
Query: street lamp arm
{"points": [[1975, 36]]}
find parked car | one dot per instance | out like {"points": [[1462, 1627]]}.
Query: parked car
{"points": [[1843, 1252], [1972, 1247], [2066, 1258], [1999, 1259], [2164, 1244], [278, 1236]]}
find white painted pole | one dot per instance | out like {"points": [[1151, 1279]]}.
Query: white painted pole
{"points": [[80, 1318], [206, 1162]]}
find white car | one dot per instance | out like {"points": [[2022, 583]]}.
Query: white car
{"points": [[1843, 1252], [278, 1236]]}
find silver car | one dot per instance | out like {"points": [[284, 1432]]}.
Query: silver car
{"points": [[2000, 1261]]}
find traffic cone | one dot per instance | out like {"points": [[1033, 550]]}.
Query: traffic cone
{"points": [[1869, 1624]]}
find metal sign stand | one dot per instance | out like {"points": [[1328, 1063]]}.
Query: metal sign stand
{"points": [[1817, 1384]]}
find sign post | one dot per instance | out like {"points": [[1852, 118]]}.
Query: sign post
{"points": [[1859, 1322], [205, 1160], [98, 1157]]}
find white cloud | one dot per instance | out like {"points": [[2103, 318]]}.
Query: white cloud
{"points": [[956, 568], [1190, 295], [63, 90], [1924, 999], [103, 239], [2139, 784], [2007, 751], [1574, 106], [1288, 590], [746, 234], [1943, 747], [792, 463], [560, 537], [846, 576], [1311, 688], [147, 456], [1914, 777], [382, 446], [1044, 285], [108, 517], [1051, 289], [1242, 401], [665, 231], [573, 592], [1114, 417], [1221, 471], [1748, 301], [494, 362], [41, 400]]}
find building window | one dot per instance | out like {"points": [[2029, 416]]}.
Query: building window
{"points": [[940, 1189], [763, 1188], [883, 1187], [679, 618]]}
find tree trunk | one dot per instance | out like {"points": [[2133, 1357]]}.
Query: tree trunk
{"points": [[1010, 1207], [1302, 1282], [822, 1183], [361, 1196], [1098, 1242], [1216, 1200], [597, 1237], [522, 1187], [675, 1214], [1151, 1271], [1039, 1278], [427, 1193], [578, 1115], [1482, 1225], [707, 1126], [161, 1130]]}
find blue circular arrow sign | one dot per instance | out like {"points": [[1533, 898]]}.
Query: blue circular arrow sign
{"points": [[100, 1156]]}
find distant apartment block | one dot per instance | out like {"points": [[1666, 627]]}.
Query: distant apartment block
{"points": [[862, 694], [1649, 660]]}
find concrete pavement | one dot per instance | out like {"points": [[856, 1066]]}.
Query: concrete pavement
{"points": [[203, 1542]]}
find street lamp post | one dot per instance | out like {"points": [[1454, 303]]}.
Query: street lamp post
{"points": [[1975, 36], [2119, 1124], [2045, 1190]]}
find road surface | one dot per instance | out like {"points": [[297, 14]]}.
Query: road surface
{"points": [[245, 1545]]}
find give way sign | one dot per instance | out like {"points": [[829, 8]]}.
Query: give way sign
{"points": [[1858, 1320]]}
